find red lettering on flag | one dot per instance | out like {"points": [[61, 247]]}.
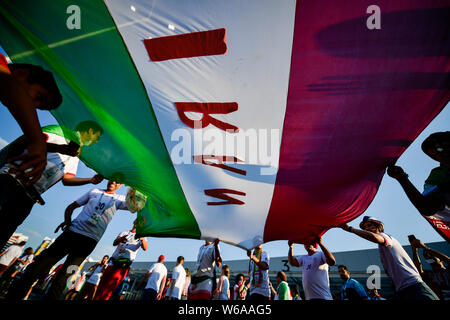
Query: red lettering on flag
{"points": [[220, 162], [207, 108], [195, 44], [221, 194]]}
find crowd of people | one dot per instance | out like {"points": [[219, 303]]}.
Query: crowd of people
{"points": [[108, 279], [42, 157]]}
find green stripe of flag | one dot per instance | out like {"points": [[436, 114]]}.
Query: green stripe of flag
{"points": [[99, 82]]}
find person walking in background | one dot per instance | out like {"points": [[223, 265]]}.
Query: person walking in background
{"points": [[397, 264], [208, 258], [178, 280], [90, 287], [10, 255], [120, 262], [315, 279], [351, 289], [17, 268], [223, 289], [282, 292], [156, 282]]}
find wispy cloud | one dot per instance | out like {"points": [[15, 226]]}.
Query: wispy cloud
{"points": [[31, 232], [3, 143], [100, 252]]}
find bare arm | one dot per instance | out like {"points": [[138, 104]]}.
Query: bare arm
{"points": [[331, 261], [143, 279], [292, 261], [119, 240], [71, 180], [13, 261], [272, 289], [144, 244], [219, 287], [261, 264], [419, 244], [161, 288], [172, 285], [21, 106], [425, 205], [67, 217], [416, 260], [370, 236], [439, 255]]}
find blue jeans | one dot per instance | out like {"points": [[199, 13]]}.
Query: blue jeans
{"points": [[418, 291]]}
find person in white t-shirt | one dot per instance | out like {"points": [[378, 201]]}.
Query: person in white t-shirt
{"points": [[10, 255], [202, 281], [90, 287], [157, 275], [20, 265], [178, 280], [119, 264], [398, 265], [259, 274], [17, 200], [315, 280], [79, 239]]}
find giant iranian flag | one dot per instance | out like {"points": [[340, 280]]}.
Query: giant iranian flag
{"points": [[247, 121]]}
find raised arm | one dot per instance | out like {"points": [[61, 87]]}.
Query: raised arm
{"points": [[427, 206], [419, 244], [330, 259], [261, 264], [370, 236], [415, 257], [292, 261]]}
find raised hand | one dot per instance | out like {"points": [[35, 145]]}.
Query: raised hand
{"points": [[396, 172]]}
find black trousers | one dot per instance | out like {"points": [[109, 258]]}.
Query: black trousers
{"points": [[77, 247], [258, 297], [15, 206]]}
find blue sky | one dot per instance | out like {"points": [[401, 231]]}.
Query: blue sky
{"points": [[390, 206]]}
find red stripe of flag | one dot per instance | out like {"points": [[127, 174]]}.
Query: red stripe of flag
{"points": [[195, 44], [357, 98]]}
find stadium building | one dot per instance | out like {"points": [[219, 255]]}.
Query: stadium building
{"points": [[364, 266]]}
